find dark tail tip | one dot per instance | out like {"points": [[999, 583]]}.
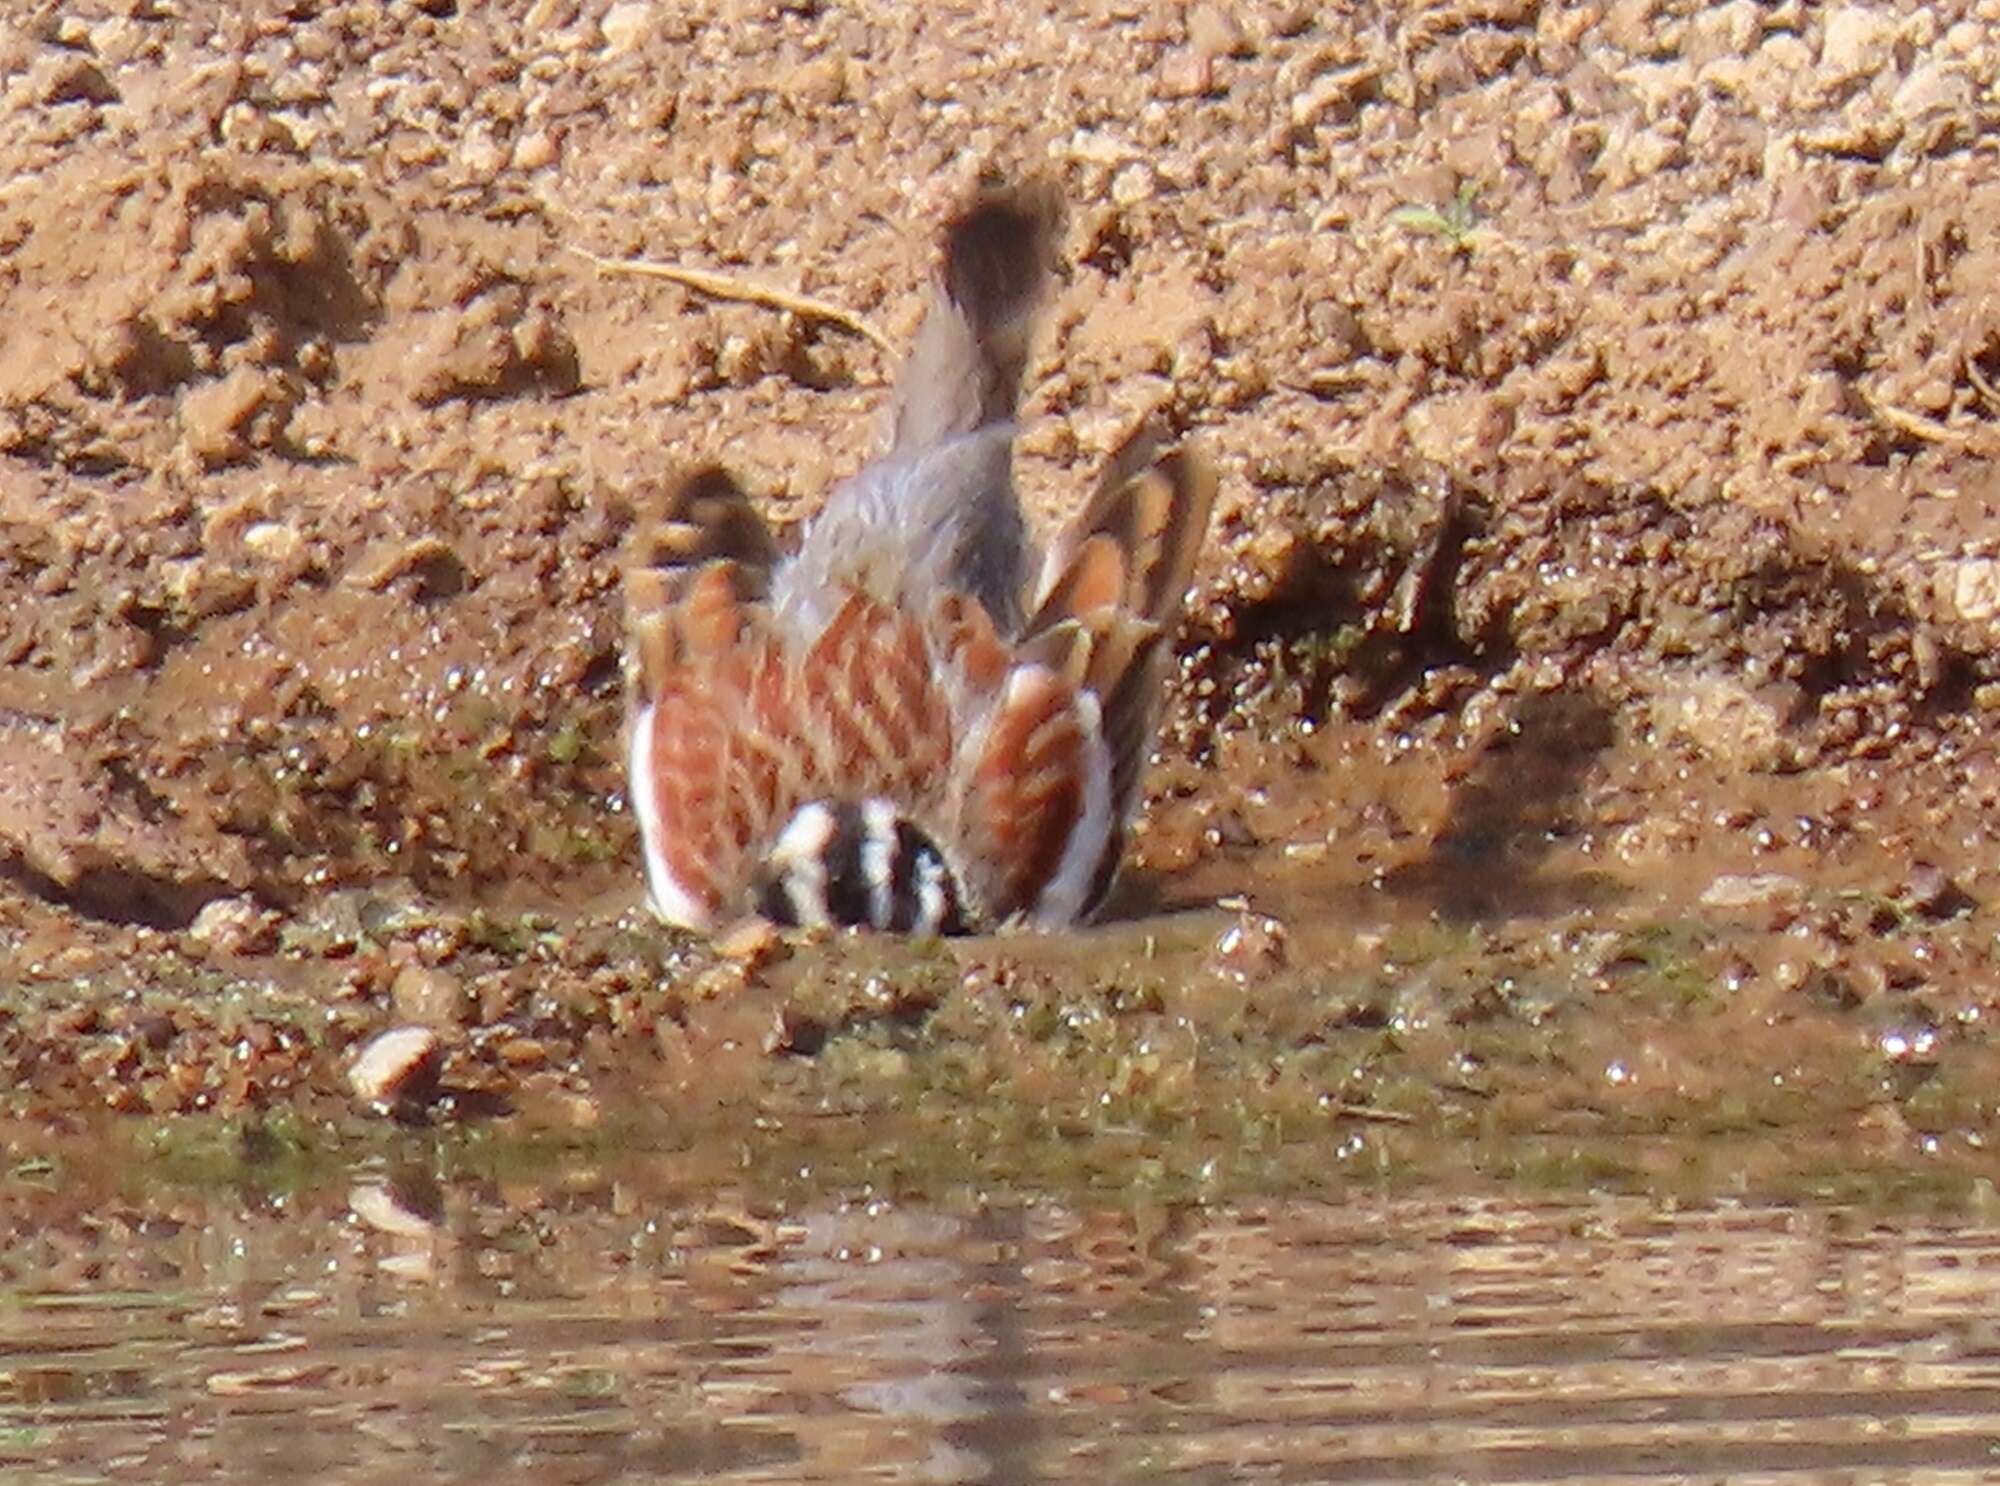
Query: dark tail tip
{"points": [[965, 368], [999, 252]]}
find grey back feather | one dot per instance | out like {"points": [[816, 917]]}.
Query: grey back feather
{"points": [[911, 525]]}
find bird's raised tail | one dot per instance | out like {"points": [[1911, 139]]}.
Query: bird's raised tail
{"points": [[964, 370]]}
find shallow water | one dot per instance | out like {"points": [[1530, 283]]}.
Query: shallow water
{"points": [[585, 1331]]}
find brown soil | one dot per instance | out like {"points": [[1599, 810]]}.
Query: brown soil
{"points": [[1607, 398]]}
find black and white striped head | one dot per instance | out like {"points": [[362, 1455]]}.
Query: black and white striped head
{"points": [[849, 865]]}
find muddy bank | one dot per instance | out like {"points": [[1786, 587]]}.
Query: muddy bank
{"points": [[1591, 668]]}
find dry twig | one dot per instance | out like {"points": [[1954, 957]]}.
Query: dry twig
{"points": [[1369, 1114], [1979, 380], [1914, 424], [722, 286]]}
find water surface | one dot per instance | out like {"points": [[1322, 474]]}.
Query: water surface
{"points": [[579, 1329]]}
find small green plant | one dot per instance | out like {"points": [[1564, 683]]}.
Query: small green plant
{"points": [[1457, 222], [566, 747], [510, 938], [23, 1439]]}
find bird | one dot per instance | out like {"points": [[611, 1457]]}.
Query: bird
{"points": [[906, 719]]}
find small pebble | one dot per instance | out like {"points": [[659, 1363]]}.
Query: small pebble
{"points": [[1132, 185], [524, 1052], [626, 26], [533, 151], [752, 944], [272, 541], [1253, 948], [433, 998], [398, 1067], [1752, 890], [234, 926], [1187, 73]]}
